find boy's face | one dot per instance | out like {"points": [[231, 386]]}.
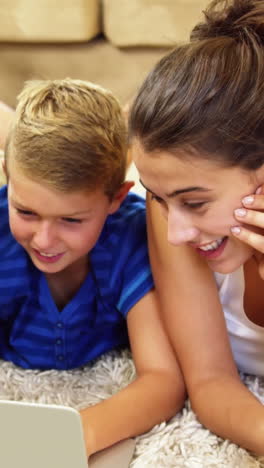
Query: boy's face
{"points": [[56, 229]]}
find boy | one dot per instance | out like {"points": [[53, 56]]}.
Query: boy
{"points": [[74, 267]]}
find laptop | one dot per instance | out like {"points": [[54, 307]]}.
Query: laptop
{"points": [[35, 435]]}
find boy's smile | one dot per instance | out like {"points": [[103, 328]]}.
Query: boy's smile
{"points": [[56, 229]]}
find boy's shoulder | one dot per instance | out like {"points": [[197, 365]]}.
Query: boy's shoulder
{"points": [[4, 225], [13, 259], [131, 211], [10, 250], [120, 258], [129, 221], [127, 226], [3, 196]]}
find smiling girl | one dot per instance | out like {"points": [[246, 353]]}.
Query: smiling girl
{"points": [[197, 134]]}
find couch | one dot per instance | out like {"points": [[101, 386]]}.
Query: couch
{"points": [[123, 22]]}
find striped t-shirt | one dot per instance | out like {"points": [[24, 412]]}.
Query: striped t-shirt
{"points": [[35, 334]]}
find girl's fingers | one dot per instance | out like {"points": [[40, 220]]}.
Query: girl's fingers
{"points": [[251, 238], [254, 218], [254, 202]]}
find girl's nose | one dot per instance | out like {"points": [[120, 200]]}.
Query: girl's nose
{"points": [[182, 236], [181, 230]]}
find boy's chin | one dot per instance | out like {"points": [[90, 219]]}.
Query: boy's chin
{"points": [[47, 268]]}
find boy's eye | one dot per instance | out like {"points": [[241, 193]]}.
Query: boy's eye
{"points": [[24, 212], [72, 220]]}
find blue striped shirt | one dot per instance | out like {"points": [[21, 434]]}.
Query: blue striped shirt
{"points": [[35, 334]]}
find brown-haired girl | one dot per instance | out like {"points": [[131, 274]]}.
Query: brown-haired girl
{"points": [[197, 134]]}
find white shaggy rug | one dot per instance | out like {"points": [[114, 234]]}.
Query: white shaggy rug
{"points": [[182, 442]]}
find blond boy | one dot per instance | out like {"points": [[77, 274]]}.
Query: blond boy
{"points": [[75, 278]]}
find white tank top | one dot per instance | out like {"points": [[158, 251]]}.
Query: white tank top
{"points": [[246, 338]]}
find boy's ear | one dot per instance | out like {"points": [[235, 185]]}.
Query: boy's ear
{"points": [[3, 173], [4, 167], [120, 195]]}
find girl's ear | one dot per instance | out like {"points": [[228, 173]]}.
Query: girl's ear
{"points": [[260, 174], [120, 195]]}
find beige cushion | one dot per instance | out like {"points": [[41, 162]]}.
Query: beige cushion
{"points": [[49, 20], [150, 22]]}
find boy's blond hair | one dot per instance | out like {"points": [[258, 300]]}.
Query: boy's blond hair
{"points": [[69, 134]]}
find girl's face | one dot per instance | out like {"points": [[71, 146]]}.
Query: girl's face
{"points": [[198, 198]]}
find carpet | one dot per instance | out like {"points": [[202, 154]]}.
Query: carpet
{"points": [[181, 442]]}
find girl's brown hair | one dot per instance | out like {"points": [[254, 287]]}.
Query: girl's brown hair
{"points": [[208, 95]]}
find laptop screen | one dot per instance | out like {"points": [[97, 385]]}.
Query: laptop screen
{"points": [[51, 436]]}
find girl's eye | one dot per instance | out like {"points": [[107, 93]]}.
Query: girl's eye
{"points": [[156, 198], [72, 220], [194, 206]]}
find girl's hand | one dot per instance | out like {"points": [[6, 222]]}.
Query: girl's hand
{"points": [[252, 214]]}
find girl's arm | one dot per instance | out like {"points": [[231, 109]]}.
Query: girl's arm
{"points": [[195, 322]]}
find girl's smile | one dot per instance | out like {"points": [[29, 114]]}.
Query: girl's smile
{"points": [[213, 249]]}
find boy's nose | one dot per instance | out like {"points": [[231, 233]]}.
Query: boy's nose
{"points": [[43, 236], [180, 230]]}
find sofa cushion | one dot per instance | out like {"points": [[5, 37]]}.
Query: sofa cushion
{"points": [[150, 22], [49, 20]]}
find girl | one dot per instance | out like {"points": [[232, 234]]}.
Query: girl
{"points": [[197, 134]]}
